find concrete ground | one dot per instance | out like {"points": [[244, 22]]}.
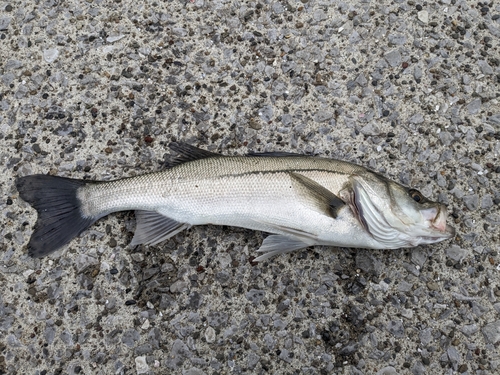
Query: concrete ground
{"points": [[98, 89]]}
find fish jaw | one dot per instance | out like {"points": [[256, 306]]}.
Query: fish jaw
{"points": [[437, 220]]}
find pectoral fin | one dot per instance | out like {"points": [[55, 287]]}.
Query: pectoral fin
{"points": [[278, 244], [153, 228], [318, 195]]}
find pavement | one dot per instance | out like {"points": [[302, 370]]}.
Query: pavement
{"points": [[98, 89]]}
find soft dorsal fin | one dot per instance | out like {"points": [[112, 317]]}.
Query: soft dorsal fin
{"points": [[276, 154], [188, 153]]}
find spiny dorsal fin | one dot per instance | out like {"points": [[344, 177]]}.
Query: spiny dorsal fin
{"points": [[188, 153]]}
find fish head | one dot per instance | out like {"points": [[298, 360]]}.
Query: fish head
{"points": [[397, 216]]}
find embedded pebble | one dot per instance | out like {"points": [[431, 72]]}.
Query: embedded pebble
{"points": [[417, 118], [485, 67], [210, 335], [4, 23], [491, 332], [471, 201], [141, 365], [456, 253], [389, 370], [396, 328], [423, 16], [393, 58], [50, 55], [474, 106]]}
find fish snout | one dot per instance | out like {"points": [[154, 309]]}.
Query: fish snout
{"points": [[440, 223], [437, 216]]}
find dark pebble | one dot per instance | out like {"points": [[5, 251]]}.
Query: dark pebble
{"points": [[496, 200], [9, 201], [497, 169], [113, 271], [419, 7], [8, 8], [385, 113], [112, 242], [130, 302], [36, 148]]}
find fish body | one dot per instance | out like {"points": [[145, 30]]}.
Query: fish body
{"points": [[301, 200]]}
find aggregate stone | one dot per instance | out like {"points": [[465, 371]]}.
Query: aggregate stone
{"points": [[485, 67], [474, 106], [456, 253], [256, 296], [5, 22], [423, 16], [388, 370], [494, 119], [130, 337], [141, 365], [469, 330], [471, 201], [396, 328], [393, 58], [491, 332], [417, 118]]}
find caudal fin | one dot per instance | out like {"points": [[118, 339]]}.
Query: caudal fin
{"points": [[59, 215]]}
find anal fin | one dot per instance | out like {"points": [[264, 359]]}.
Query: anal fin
{"points": [[153, 228], [278, 244]]}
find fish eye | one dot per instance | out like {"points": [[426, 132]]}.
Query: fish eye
{"points": [[416, 195]]}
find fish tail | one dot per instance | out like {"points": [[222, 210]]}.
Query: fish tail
{"points": [[60, 217]]}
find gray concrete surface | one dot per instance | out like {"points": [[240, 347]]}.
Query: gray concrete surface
{"points": [[97, 89]]}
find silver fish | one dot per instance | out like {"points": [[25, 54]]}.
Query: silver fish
{"points": [[302, 200]]}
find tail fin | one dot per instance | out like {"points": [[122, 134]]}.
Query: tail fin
{"points": [[59, 215]]}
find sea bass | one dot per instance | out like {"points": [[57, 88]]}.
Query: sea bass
{"points": [[301, 200]]}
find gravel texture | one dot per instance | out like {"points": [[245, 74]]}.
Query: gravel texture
{"points": [[97, 89]]}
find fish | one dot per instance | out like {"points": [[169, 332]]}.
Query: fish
{"points": [[300, 200]]}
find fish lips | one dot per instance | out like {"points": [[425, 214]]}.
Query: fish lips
{"points": [[437, 217]]}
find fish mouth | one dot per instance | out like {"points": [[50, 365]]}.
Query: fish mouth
{"points": [[439, 222]]}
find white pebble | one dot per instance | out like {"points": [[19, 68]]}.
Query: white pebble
{"points": [[50, 55], [210, 335], [114, 38], [423, 16], [140, 365]]}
